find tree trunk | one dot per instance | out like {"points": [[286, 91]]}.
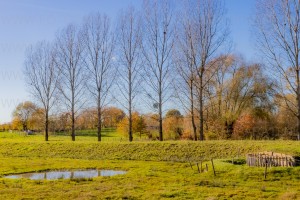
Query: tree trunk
{"points": [[47, 126], [201, 121], [130, 127], [160, 115], [160, 127], [73, 125], [73, 112], [298, 103], [130, 103], [201, 109], [194, 126], [160, 120], [99, 124], [298, 125], [192, 112], [160, 108], [130, 117], [297, 75], [99, 129]]}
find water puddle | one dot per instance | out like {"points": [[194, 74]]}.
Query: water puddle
{"points": [[66, 174]]}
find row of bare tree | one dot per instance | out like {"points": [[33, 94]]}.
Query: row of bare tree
{"points": [[164, 54], [87, 60]]}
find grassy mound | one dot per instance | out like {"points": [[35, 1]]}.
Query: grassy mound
{"points": [[145, 151]]}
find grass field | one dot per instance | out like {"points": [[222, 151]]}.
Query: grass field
{"points": [[155, 170]]}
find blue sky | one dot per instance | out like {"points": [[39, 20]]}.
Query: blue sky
{"points": [[25, 22]]}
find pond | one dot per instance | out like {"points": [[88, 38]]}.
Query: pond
{"points": [[66, 174]]}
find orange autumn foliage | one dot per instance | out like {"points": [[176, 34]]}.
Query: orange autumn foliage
{"points": [[243, 127]]}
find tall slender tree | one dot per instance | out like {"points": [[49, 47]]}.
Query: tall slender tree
{"points": [[99, 45], [205, 32], [42, 77], [183, 59], [130, 60], [70, 60], [157, 47]]}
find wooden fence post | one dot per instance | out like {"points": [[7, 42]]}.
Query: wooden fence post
{"points": [[213, 166], [198, 168], [266, 167], [201, 166]]}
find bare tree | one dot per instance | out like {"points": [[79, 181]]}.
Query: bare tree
{"points": [[183, 59], [184, 85], [206, 31], [42, 77], [70, 59], [278, 30], [100, 44], [157, 47], [130, 57]]}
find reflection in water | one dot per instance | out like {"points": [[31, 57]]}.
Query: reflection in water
{"points": [[52, 175]]}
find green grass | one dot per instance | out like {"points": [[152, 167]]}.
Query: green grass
{"points": [[149, 180], [182, 151], [106, 132], [155, 170]]}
